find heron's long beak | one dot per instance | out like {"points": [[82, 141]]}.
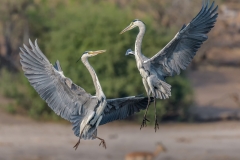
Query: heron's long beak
{"points": [[131, 26], [96, 52]]}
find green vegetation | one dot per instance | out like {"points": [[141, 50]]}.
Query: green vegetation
{"points": [[66, 29]]}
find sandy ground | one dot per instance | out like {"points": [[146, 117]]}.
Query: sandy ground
{"points": [[24, 139], [217, 93], [215, 85]]}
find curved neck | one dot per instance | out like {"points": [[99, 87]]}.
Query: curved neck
{"points": [[97, 85], [138, 42]]}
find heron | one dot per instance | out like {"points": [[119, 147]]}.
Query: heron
{"points": [[176, 55], [85, 111]]}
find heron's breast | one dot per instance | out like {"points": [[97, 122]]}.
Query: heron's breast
{"points": [[99, 110], [88, 132], [144, 73]]}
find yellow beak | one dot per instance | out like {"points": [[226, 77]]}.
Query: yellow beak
{"points": [[131, 26], [96, 52]]}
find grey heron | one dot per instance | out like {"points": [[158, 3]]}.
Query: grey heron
{"points": [[85, 111], [176, 55]]}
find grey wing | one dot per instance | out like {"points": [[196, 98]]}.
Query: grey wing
{"points": [[120, 108], [63, 96], [179, 52]]}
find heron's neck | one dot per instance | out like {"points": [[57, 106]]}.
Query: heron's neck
{"points": [[138, 42], [96, 83]]}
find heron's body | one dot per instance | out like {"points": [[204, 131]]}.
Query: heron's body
{"points": [[85, 111], [152, 77], [176, 55], [95, 115]]}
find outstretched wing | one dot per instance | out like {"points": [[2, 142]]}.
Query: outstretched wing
{"points": [[120, 108], [179, 52], [63, 96]]}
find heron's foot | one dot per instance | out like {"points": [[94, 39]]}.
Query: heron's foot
{"points": [[144, 122], [103, 143], [77, 144], [156, 125]]}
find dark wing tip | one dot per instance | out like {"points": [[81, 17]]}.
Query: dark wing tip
{"points": [[152, 99]]}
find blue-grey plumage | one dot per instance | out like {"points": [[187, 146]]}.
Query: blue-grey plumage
{"points": [[85, 111], [129, 52], [176, 55]]}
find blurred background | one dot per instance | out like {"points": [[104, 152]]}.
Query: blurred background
{"points": [[199, 121]]}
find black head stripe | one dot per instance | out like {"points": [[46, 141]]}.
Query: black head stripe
{"points": [[135, 20], [85, 52], [138, 20]]}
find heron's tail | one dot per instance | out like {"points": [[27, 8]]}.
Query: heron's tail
{"points": [[163, 91], [76, 121]]}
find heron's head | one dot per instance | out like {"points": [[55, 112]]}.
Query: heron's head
{"points": [[129, 52], [87, 54], [133, 24]]}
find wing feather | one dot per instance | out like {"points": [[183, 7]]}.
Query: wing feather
{"points": [[122, 108], [50, 83], [179, 52]]}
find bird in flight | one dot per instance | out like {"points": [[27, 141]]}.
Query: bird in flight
{"points": [[176, 55], [85, 111]]}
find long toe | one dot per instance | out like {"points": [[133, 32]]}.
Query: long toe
{"points": [[156, 126], [144, 122], [103, 143], [76, 145]]}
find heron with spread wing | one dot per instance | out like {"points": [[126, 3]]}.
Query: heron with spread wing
{"points": [[176, 55], [85, 111]]}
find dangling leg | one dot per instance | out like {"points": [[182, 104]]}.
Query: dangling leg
{"points": [[144, 124], [149, 93], [156, 122], [102, 142], [78, 142]]}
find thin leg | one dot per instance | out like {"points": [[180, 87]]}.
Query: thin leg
{"points": [[156, 122], [78, 142], [102, 142], [144, 124], [146, 86]]}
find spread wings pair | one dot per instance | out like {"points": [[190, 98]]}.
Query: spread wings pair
{"points": [[85, 111]]}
